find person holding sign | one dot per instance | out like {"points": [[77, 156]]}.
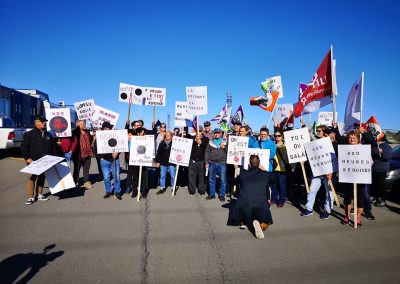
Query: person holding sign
{"points": [[215, 159], [251, 208], [265, 143], [36, 144], [110, 165], [316, 182], [162, 162], [196, 164], [353, 138]]}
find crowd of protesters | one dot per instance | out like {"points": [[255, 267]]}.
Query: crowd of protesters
{"points": [[208, 172]]}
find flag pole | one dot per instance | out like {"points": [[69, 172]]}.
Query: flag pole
{"points": [[333, 82], [272, 113], [362, 95], [197, 125]]}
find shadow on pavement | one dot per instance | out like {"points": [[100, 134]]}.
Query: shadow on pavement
{"points": [[71, 193], [13, 267]]}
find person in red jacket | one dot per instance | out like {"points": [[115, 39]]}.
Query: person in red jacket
{"points": [[68, 145]]}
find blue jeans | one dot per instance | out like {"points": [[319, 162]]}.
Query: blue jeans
{"points": [[215, 169], [279, 188], [68, 156], [108, 168], [314, 187], [163, 174]]}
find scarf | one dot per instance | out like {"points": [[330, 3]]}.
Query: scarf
{"points": [[84, 143]]}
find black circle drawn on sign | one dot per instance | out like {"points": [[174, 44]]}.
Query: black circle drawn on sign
{"points": [[141, 149], [138, 92], [124, 96], [112, 142], [58, 124]]}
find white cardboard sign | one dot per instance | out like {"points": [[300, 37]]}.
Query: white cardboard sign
{"points": [[43, 164], [263, 154], [142, 151], [321, 156], [59, 121], [59, 178], [84, 109], [155, 96], [355, 164], [102, 114], [283, 111], [295, 140], [196, 98], [180, 151], [142, 95], [326, 118], [182, 118], [237, 147], [110, 141]]}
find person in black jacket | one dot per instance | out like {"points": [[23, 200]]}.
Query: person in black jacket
{"points": [[37, 143], [162, 162], [251, 208], [196, 164]]}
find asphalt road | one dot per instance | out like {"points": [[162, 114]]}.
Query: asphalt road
{"points": [[82, 238]]}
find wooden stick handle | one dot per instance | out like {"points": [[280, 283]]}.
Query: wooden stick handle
{"points": [[140, 184], [176, 178], [305, 177], [355, 204], [334, 193]]}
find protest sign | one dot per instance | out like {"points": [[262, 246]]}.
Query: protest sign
{"points": [[180, 151], [59, 121], [263, 154], [355, 163], [84, 109], [321, 156], [283, 111], [110, 141], [295, 140], [142, 151], [182, 118], [59, 178], [236, 150], [43, 164], [326, 118], [142, 95], [155, 96], [102, 114], [196, 98], [272, 85]]}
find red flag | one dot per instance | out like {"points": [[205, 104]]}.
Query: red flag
{"points": [[372, 126], [266, 102], [320, 86]]}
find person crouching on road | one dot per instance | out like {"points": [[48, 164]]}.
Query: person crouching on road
{"points": [[110, 165], [36, 144], [251, 208]]}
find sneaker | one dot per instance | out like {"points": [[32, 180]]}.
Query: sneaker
{"points": [[144, 196], [191, 193], [118, 197], [161, 191], [88, 185], [380, 203], [30, 201], [210, 197], [306, 213], [280, 205], [346, 220], [202, 193], [359, 222], [41, 197], [221, 198], [242, 227], [369, 216], [108, 194], [258, 231], [325, 215]]}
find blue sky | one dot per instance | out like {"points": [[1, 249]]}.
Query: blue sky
{"points": [[76, 50]]}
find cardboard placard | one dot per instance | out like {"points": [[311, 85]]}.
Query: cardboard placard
{"points": [[102, 114], [355, 164], [295, 140], [236, 153], [182, 118], [59, 121], [43, 164], [283, 111], [180, 151], [142, 151], [142, 95], [263, 154], [110, 141], [85, 109], [196, 98], [273, 84], [321, 156], [326, 118], [59, 178]]}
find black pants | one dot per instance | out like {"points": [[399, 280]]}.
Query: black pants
{"points": [[132, 180], [85, 163], [196, 172], [348, 195], [379, 185], [230, 176]]}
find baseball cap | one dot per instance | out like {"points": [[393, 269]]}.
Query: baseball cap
{"points": [[106, 124], [41, 118], [207, 123], [217, 130]]}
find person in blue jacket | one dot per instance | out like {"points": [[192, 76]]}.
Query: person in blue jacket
{"points": [[264, 142]]}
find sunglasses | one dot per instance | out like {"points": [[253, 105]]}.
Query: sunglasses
{"points": [[319, 130], [278, 135]]}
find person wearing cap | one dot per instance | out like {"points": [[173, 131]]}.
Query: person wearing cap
{"points": [[37, 143], [196, 164], [215, 160], [83, 153], [207, 130], [110, 165]]}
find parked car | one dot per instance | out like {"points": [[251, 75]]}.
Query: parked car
{"points": [[393, 176]]}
